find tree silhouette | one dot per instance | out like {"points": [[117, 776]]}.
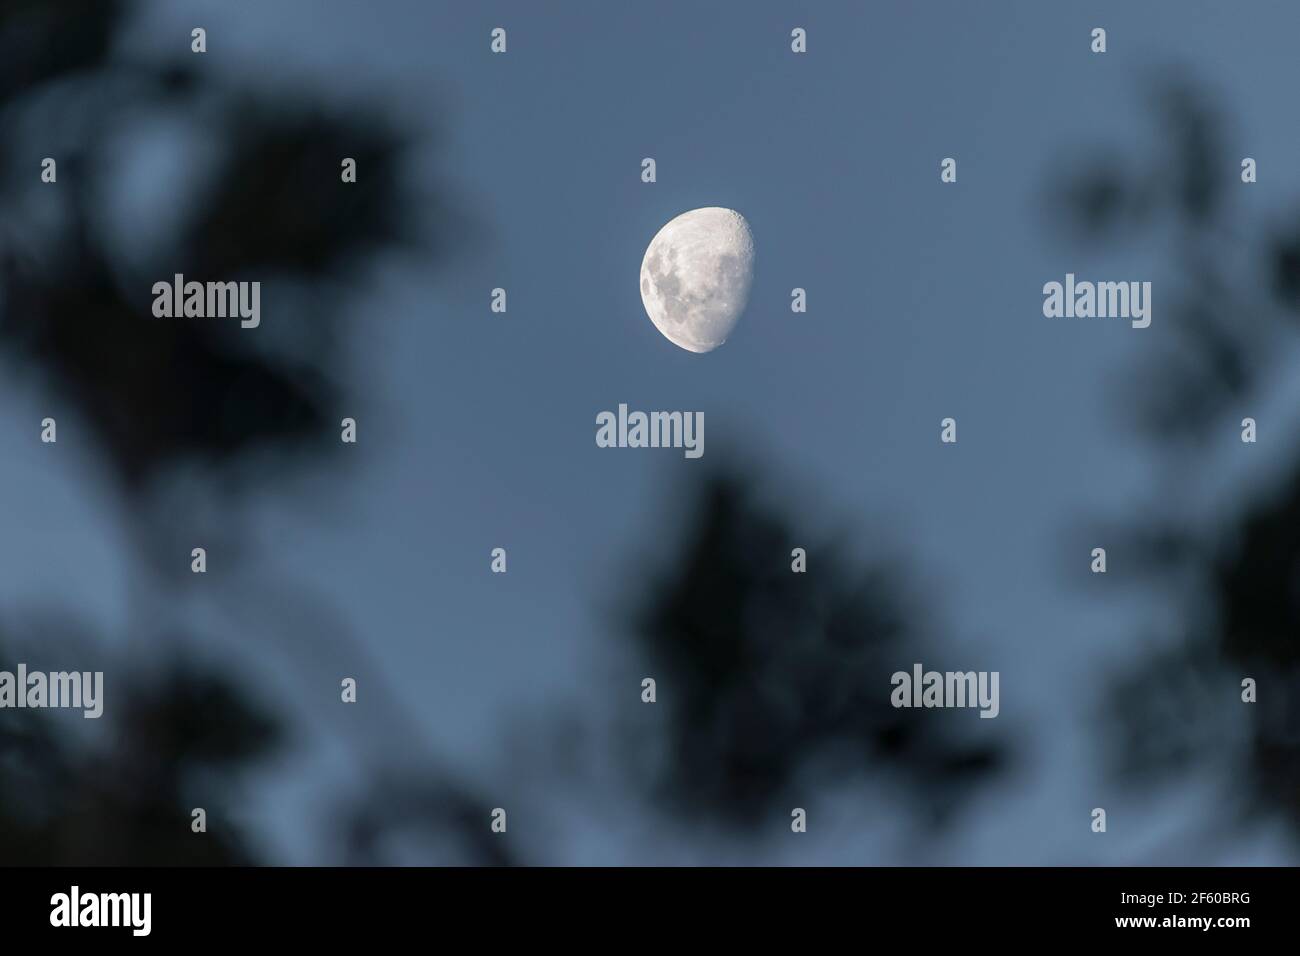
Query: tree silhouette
{"points": [[765, 674], [162, 398], [180, 739], [1229, 569]]}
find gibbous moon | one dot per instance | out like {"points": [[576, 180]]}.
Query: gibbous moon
{"points": [[696, 275]]}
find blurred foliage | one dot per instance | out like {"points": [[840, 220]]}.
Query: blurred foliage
{"points": [[157, 395], [1231, 575], [122, 793], [765, 675]]}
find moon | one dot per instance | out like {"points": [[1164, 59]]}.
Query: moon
{"points": [[696, 275]]}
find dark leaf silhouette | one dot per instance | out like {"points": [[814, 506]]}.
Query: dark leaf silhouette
{"points": [[162, 396], [1230, 574], [765, 673]]}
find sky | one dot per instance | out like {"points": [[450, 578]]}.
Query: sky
{"points": [[924, 301]]}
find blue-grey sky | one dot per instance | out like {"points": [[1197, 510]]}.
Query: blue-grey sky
{"points": [[924, 301]]}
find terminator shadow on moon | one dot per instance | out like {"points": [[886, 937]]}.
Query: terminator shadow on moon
{"points": [[696, 277]]}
